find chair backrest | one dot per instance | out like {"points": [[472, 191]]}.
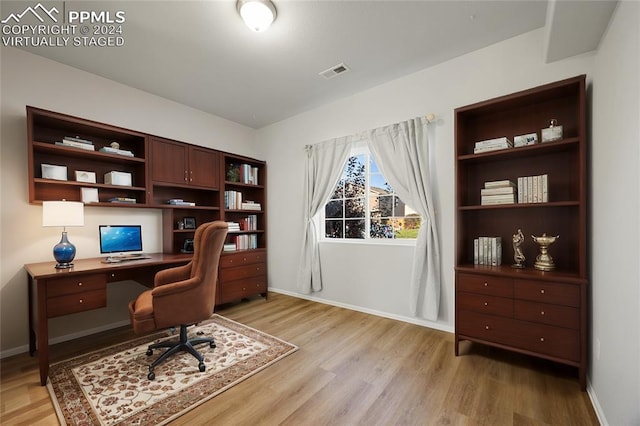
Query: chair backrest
{"points": [[207, 247]]}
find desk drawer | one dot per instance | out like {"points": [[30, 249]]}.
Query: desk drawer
{"points": [[501, 306], [562, 316], [235, 290], [547, 292], [75, 284], [485, 284], [253, 270], [239, 259], [78, 302], [539, 338]]}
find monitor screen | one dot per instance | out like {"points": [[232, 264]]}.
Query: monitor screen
{"points": [[120, 238]]}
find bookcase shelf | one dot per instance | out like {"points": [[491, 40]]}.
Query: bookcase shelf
{"points": [[547, 314], [161, 169]]}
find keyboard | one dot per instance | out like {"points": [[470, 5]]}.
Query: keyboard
{"points": [[125, 258]]}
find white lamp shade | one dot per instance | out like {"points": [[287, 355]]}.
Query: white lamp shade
{"points": [[257, 14], [62, 213]]}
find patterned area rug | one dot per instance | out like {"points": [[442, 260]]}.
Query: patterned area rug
{"points": [[110, 386]]}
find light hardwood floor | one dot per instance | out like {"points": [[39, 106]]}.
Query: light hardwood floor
{"points": [[351, 369]]}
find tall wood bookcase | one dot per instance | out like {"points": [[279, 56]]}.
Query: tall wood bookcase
{"points": [[161, 169], [540, 313]]}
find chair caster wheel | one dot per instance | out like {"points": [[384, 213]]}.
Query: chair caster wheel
{"points": [[212, 345], [151, 375], [149, 352], [202, 367]]}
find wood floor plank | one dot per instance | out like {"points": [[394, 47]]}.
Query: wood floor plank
{"points": [[351, 369]]}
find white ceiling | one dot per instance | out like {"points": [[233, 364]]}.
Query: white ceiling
{"points": [[200, 53]]}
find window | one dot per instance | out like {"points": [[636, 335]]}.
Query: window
{"points": [[365, 207]]}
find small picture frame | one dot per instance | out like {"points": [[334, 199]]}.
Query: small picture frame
{"points": [[88, 177], [189, 222]]}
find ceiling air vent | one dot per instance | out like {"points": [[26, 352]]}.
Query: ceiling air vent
{"points": [[334, 71]]}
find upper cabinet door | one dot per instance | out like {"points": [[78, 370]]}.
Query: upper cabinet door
{"points": [[169, 161], [204, 167]]}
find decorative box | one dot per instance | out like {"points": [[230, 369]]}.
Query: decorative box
{"points": [[524, 140], [118, 178], [551, 133], [50, 171], [82, 176]]}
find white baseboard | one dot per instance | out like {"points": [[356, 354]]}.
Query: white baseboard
{"points": [[52, 341], [410, 320], [596, 405]]}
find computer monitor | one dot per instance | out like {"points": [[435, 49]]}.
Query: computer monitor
{"points": [[116, 239]]}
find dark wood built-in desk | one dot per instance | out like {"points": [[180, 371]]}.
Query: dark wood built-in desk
{"points": [[56, 292]]}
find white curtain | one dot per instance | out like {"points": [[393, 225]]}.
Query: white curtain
{"points": [[401, 151], [323, 169]]}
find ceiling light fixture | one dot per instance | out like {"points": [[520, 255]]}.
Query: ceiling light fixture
{"points": [[257, 14]]}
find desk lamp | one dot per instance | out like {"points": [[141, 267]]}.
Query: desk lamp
{"points": [[63, 213]]}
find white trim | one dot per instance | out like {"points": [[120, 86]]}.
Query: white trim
{"points": [[596, 405], [410, 320], [52, 341]]}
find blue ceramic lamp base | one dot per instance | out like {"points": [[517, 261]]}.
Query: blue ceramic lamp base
{"points": [[64, 252]]}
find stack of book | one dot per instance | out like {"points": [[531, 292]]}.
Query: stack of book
{"points": [[492, 145], [125, 200], [250, 205], [229, 247], [180, 202], [533, 189], [109, 150], [233, 226], [487, 251], [498, 192], [76, 142]]}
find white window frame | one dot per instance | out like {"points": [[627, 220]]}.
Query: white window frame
{"points": [[362, 149]]}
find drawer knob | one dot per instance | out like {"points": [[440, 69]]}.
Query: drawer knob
{"points": [[542, 313], [542, 291], [80, 284], [486, 327], [244, 259], [486, 285], [542, 339], [486, 304], [81, 300], [113, 275]]}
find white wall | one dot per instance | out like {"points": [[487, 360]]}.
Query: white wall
{"points": [[376, 278], [615, 220], [28, 79]]}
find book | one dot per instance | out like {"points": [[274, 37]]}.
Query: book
{"points": [[492, 144], [109, 150], [499, 190], [250, 205], [498, 183], [122, 200], [487, 200], [76, 145], [77, 139]]}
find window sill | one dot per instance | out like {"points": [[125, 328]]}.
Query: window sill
{"points": [[390, 243]]}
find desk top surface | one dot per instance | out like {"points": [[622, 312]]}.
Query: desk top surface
{"points": [[47, 269]]}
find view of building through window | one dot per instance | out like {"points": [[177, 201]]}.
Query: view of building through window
{"points": [[364, 206]]}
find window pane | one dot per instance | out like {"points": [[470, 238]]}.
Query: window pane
{"points": [[407, 226], [354, 177], [333, 209], [354, 228], [381, 228], [333, 229], [339, 191], [385, 205], [354, 207]]}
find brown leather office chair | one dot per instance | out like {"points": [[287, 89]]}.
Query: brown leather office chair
{"points": [[184, 295]]}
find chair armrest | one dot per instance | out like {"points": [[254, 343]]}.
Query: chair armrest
{"points": [[172, 275], [174, 287]]}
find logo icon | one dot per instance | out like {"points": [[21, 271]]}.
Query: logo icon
{"points": [[37, 11]]}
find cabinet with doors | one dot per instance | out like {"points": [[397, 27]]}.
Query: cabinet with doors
{"points": [[243, 267], [543, 313], [160, 170], [185, 183]]}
